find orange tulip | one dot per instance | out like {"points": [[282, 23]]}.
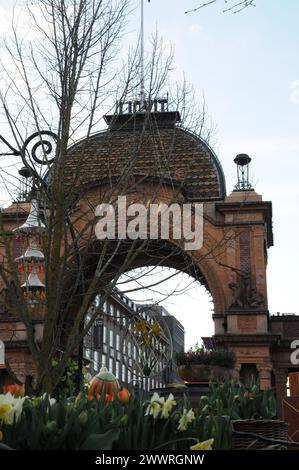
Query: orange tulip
{"points": [[16, 390], [124, 395], [108, 398]]}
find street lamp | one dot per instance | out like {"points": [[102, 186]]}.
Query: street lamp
{"points": [[32, 261]]}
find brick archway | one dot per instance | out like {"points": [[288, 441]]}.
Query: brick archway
{"points": [[171, 163]]}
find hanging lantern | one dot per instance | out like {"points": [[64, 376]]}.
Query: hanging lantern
{"points": [[32, 257], [105, 382], [33, 282], [33, 222], [34, 289]]}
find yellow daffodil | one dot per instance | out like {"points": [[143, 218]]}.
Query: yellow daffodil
{"points": [[204, 445], [167, 406], [10, 408], [187, 418], [5, 413]]}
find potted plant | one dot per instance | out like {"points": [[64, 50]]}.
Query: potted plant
{"points": [[203, 365], [252, 412]]}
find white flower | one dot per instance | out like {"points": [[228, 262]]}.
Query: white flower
{"points": [[52, 401], [155, 405], [187, 418], [167, 406], [16, 406]]}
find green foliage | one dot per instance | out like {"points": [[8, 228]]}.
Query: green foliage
{"points": [[214, 357], [68, 384], [239, 401], [96, 425]]}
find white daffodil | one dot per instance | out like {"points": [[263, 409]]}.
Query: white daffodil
{"points": [[187, 418], [15, 407], [52, 401], [155, 405], [167, 406]]}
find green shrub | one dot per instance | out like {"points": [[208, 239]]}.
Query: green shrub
{"points": [[214, 357]]}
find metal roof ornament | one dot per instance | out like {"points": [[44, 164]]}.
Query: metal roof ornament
{"points": [[242, 161]]}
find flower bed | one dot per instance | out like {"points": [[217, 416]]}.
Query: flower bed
{"points": [[121, 421], [137, 423]]}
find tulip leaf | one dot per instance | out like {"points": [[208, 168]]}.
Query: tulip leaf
{"points": [[101, 441]]}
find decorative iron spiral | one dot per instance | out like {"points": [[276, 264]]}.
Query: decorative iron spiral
{"points": [[46, 142]]}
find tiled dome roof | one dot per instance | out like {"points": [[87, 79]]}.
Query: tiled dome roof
{"points": [[166, 153]]}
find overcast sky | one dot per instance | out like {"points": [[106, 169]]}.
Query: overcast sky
{"points": [[246, 65]]}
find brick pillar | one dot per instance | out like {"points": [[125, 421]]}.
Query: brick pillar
{"points": [[238, 369], [281, 375], [264, 371]]}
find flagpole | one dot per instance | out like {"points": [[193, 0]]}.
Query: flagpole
{"points": [[142, 88]]}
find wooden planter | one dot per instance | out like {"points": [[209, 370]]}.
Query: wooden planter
{"points": [[294, 384], [204, 373], [273, 429]]}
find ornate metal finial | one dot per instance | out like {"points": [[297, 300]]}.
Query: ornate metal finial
{"points": [[37, 153], [26, 183], [242, 161]]}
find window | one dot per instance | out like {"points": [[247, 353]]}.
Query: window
{"points": [[87, 353], [111, 338], [117, 370], [104, 361], [117, 342], [110, 364], [124, 372], [98, 333], [105, 334]]}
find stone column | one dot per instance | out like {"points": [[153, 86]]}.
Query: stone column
{"points": [[281, 375], [264, 371]]}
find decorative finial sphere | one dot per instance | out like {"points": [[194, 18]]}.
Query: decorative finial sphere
{"points": [[242, 159]]}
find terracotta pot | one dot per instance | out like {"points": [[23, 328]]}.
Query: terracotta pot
{"points": [[205, 373]]}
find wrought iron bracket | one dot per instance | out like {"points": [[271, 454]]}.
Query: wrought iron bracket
{"points": [[28, 152]]}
